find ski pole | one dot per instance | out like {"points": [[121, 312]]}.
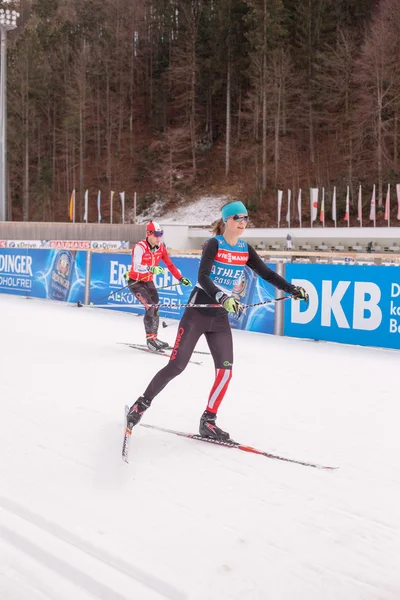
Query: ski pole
{"points": [[244, 306], [79, 303]]}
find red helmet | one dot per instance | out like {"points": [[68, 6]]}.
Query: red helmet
{"points": [[153, 228]]}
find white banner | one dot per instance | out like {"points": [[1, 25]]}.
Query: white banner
{"points": [[359, 208], [85, 216], [122, 196], [26, 244], [98, 207], [347, 215], [299, 206], [313, 203], [111, 206], [334, 205], [109, 245], [372, 212], [288, 207], [280, 194]]}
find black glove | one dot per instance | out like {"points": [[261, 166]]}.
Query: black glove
{"points": [[299, 293]]}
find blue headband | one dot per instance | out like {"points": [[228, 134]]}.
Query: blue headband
{"points": [[233, 208]]}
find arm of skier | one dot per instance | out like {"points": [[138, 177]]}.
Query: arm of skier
{"points": [[170, 265], [258, 266], [207, 260]]}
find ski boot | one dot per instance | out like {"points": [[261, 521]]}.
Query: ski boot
{"points": [[164, 345], [156, 345], [136, 411], [209, 429]]}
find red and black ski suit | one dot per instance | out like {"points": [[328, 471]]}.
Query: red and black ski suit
{"points": [[213, 323], [141, 283]]}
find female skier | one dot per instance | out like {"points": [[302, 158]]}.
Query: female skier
{"points": [[146, 256], [223, 260]]}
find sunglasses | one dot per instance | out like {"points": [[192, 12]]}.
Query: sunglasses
{"points": [[156, 233], [240, 218]]}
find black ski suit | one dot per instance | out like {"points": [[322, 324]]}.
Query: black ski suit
{"points": [[213, 323]]}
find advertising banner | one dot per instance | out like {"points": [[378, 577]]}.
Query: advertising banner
{"points": [[27, 244], [53, 274], [109, 245], [353, 305], [251, 289], [107, 277], [69, 244]]}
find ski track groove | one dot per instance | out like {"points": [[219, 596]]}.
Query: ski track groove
{"points": [[150, 581]]}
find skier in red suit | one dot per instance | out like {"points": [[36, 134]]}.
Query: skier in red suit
{"points": [[146, 256]]}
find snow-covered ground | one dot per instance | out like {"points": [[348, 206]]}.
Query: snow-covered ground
{"points": [[203, 211], [186, 519]]}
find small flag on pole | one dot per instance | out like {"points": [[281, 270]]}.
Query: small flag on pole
{"points": [[280, 194], [85, 216], [372, 212], [359, 208], [299, 206], [347, 215], [387, 206], [98, 207], [72, 207], [398, 200], [288, 207], [334, 205], [122, 196], [314, 203], [322, 211], [111, 206]]}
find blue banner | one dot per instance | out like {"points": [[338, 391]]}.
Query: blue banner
{"points": [[349, 304], [250, 290], [107, 279], [52, 274]]}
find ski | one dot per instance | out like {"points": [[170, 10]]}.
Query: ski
{"points": [[127, 437], [163, 353], [238, 446], [168, 348]]}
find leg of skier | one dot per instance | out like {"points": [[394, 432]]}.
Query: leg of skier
{"points": [[147, 295], [192, 325], [219, 340]]}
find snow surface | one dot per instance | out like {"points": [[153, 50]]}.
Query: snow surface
{"points": [[203, 211], [186, 519]]}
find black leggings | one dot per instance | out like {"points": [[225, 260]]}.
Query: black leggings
{"points": [[146, 293], [219, 339]]}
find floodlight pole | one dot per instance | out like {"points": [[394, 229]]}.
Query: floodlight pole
{"points": [[8, 21]]}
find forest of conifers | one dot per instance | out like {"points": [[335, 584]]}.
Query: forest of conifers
{"points": [[166, 97]]}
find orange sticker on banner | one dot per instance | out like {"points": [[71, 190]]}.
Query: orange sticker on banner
{"points": [[69, 245]]}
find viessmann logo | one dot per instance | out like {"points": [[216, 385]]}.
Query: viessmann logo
{"points": [[230, 257]]}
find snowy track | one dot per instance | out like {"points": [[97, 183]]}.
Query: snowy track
{"points": [[184, 519]]}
